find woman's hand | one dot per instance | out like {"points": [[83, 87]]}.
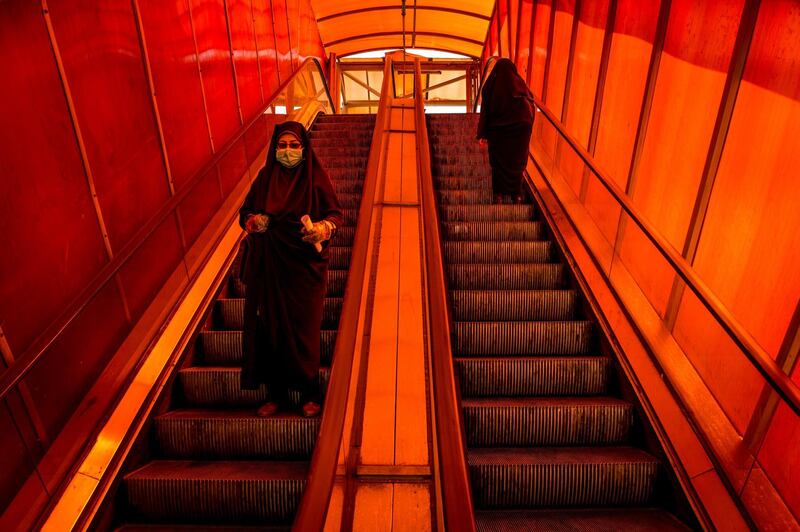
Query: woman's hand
{"points": [[319, 232], [483, 143], [256, 223]]}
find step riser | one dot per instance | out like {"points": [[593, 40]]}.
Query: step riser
{"points": [[488, 213], [559, 485], [537, 377], [203, 500], [211, 389], [224, 348], [231, 314], [465, 197], [457, 183], [513, 426], [497, 252], [493, 231], [505, 277], [337, 280], [522, 338], [473, 305], [255, 438]]}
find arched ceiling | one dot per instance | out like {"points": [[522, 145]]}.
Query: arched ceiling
{"points": [[350, 26]]}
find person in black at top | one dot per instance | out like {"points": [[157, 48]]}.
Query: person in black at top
{"points": [[506, 122], [284, 273]]}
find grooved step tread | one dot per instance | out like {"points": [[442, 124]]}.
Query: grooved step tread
{"points": [[532, 376], [512, 456], [546, 421], [513, 305], [578, 520], [235, 434], [221, 470]]}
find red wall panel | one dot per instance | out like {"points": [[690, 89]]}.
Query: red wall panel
{"points": [[282, 39], [248, 77], [294, 22], [146, 271], [688, 91], [525, 33], [73, 362], [750, 247], [562, 32], [215, 59], [265, 39], [629, 60], [16, 464], [199, 205], [541, 32], [52, 246], [167, 29], [100, 49], [233, 165], [310, 42], [586, 68]]}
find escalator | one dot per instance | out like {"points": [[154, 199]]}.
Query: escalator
{"points": [[554, 440], [210, 460]]}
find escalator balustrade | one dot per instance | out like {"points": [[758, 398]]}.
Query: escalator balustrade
{"points": [[549, 445], [214, 461]]}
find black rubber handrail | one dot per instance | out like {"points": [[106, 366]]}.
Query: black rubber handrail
{"points": [[33, 355], [312, 512], [456, 493], [758, 358]]}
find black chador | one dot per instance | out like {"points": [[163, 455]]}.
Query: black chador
{"points": [[284, 275], [506, 122]]}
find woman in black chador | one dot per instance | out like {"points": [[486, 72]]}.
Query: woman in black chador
{"points": [[285, 269], [506, 122]]}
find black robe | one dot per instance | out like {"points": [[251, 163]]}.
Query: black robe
{"points": [[506, 122], [285, 277]]}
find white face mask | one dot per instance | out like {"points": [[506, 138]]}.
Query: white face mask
{"points": [[289, 157]]}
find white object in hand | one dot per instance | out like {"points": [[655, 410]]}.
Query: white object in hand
{"points": [[306, 221]]}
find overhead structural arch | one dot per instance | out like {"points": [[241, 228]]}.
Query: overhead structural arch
{"points": [[352, 26]]}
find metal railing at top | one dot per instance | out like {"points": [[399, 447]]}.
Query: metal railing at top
{"points": [[295, 94], [774, 376]]}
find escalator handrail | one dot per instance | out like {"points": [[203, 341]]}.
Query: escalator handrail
{"points": [[33, 355], [755, 354], [316, 496], [451, 449], [486, 69]]}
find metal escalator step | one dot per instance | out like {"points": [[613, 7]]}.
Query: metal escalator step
{"points": [[484, 231], [337, 280], [224, 348], [350, 216], [344, 162], [513, 305], [498, 252], [231, 313], [487, 213], [576, 520], [340, 257], [341, 151], [460, 183], [465, 197], [531, 276], [522, 338], [220, 387], [214, 491], [234, 434], [201, 528], [344, 236], [345, 174], [461, 158], [346, 186], [463, 170], [531, 376], [348, 200], [546, 421], [561, 476]]}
